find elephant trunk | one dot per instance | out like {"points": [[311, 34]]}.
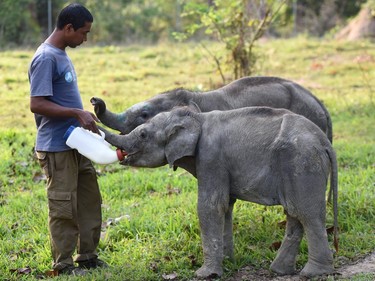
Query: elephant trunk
{"points": [[108, 118], [118, 141]]}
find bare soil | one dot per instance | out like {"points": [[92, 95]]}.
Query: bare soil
{"points": [[347, 271]]}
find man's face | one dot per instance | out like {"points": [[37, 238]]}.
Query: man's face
{"points": [[77, 37]]}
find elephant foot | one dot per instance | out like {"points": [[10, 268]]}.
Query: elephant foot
{"points": [[209, 272], [312, 269], [281, 268]]}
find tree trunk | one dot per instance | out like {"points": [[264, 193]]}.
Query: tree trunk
{"points": [[362, 26]]}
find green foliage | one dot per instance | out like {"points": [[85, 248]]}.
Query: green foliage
{"points": [[16, 23], [128, 21], [150, 224], [25, 22]]}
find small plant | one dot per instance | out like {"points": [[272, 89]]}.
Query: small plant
{"points": [[236, 23]]}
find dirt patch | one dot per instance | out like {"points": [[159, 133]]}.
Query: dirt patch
{"points": [[364, 265]]}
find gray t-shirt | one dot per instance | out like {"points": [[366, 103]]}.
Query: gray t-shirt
{"points": [[52, 75]]}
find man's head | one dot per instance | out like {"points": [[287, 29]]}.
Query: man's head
{"points": [[75, 20], [74, 14]]}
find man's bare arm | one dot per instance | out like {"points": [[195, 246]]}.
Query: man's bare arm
{"points": [[42, 106]]}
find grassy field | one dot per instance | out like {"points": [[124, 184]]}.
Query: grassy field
{"points": [[150, 228]]}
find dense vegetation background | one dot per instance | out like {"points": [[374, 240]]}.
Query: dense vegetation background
{"points": [[25, 22]]}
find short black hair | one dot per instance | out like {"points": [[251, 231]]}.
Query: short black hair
{"points": [[74, 14]]}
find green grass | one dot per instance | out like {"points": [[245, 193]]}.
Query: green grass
{"points": [[156, 231]]}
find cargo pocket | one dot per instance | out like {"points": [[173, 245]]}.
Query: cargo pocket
{"points": [[60, 205], [43, 162]]}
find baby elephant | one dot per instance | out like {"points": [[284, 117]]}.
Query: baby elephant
{"points": [[258, 154]]}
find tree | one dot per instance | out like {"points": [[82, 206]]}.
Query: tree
{"points": [[118, 21], [316, 17], [236, 23], [17, 25], [25, 22]]}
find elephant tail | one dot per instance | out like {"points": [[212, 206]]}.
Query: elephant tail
{"points": [[334, 189]]}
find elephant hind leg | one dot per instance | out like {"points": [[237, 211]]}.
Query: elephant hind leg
{"points": [[320, 259], [228, 231], [285, 261]]}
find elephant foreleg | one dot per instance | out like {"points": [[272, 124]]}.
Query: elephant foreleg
{"points": [[285, 261], [211, 221]]}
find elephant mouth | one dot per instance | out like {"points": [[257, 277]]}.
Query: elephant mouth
{"points": [[128, 158]]}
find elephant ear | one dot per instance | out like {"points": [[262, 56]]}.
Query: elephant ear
{"points": [[182, 138], [194, 107]]}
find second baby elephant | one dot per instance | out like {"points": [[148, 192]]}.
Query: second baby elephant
{"points": [[258, 154], [248, 91]]}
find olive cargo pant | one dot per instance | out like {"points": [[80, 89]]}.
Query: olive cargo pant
{"points": [[74, 204]]}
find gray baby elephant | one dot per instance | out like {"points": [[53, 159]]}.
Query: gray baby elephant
{"points": [[248, 91], [258, 154]]}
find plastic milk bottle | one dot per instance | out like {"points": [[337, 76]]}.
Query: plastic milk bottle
{"points": [[93, 146]]}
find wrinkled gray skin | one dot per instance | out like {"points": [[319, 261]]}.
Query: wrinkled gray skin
{"points": [[259, 154], [249, 91]]}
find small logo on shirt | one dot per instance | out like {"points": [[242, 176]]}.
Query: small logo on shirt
{"points": [[68, 77]]}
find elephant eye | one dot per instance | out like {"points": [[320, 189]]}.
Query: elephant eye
{"points": [[144, 115], [143, 134]]}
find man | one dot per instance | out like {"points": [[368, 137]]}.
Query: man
{"points": [[74, 199]]}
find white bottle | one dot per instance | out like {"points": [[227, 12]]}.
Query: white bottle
{"points": [[93, 146]]}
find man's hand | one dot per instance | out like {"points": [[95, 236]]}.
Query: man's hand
{"points": [[88, 120]]}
